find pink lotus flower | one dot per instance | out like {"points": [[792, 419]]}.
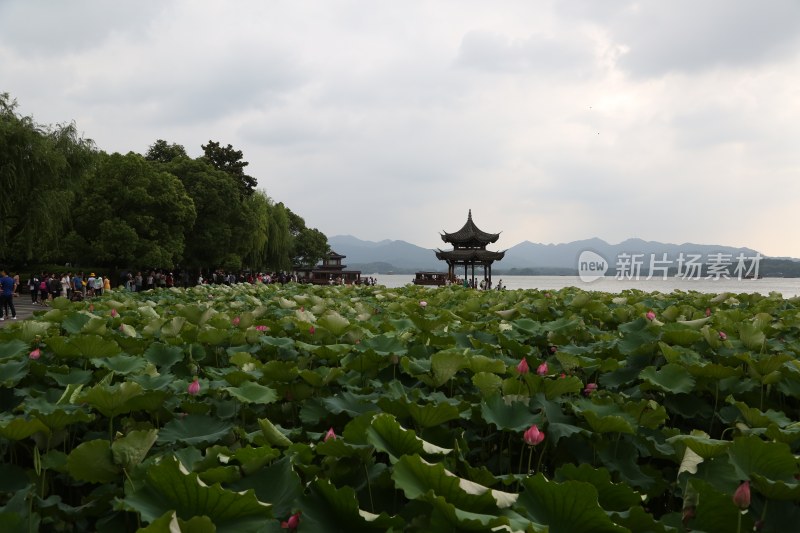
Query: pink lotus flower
{"points": [[542, 369], [261, 328], [423, 304], [329, 435], [292, 522], [723, 336], [311, 330], [194, 387], [650, 315], [708, 311], [523, 367], [562, 375], [533, 436], [114, 313], [35, 354], [590, 388], [236, 321], [742, 496]]}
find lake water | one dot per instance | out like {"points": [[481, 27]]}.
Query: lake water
{"points": [[788, 287]]}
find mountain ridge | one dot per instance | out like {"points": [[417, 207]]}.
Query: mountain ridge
{"points": [[399, 255]]}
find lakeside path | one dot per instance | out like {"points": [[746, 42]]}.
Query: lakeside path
{"points": [[24, 309]]}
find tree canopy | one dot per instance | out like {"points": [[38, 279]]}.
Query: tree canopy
{"points": [[65, 201]]}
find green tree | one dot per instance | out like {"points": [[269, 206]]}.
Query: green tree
{"points": [[279, 242], [226, 159], [41, 169], [131, 214], [308, 245], [163, 152]]}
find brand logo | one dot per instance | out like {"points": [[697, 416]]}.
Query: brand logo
{"points": [[591, 266]]}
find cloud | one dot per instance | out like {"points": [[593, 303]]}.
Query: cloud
{"points": [[687, 36]]}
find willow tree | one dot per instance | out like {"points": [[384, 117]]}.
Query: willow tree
{"points": [[279, 243], [41, 168]]}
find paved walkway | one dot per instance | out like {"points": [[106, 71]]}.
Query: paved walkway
{"points": [[24, 309]]}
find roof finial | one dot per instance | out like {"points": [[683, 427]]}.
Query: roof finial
{"points": [[469, 215]]}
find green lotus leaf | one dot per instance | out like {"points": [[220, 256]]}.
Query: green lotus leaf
{"points": [[387, 435], [167, 487], [94, 346], [487, 383], [716, 510], [507, 414], [130, 450], [350, 403], [330, 509], [60, 418], [251, 392], [220, 474], [445, 365], [112, 400], [194, 429], [385, 344], [553, 388], [212, 336], [169, 522], [12, 372], [121, 364], [273, 435], [772, 460], [776, 490], [75, 321], [12, 348], [565, 507], [606, 417], [278, 485], [334, 322], [91, 461], [433, 414], [173, 327], [12, 478], [702, 445], [96, 326], [20, 428], [481, 363], [751, 336], [669, 378], [280, 371], [62, 347], [163, 355], [759, 419], [419, 479], [611, 496], [252, 459]]}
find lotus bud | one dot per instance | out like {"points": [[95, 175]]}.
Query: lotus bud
{"points": [[650, 315], [35, 354], [194, 387], [292, 522], [742, 496], [329, 435], [723, 336], [533, 436], [542, 369], [523, 367]]}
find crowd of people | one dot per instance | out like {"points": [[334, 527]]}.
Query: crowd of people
{"points": [[44, 287]]}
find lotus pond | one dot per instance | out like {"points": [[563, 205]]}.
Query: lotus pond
{"points": [[298, 408]]}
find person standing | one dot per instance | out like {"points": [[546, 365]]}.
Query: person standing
{"points": [[7, 296]]}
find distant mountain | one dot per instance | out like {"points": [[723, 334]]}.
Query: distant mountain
{"points": [[527, 254], [403, 257], [394, 255]]}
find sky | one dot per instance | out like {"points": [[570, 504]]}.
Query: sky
{"points": [[553, 121]]}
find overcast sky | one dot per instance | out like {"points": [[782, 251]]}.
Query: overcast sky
{"points": [[554, 121]]}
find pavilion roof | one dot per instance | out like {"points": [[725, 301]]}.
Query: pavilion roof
{"points": [[477, 255], [470, 235]]}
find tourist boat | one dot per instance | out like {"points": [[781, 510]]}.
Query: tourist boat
{"points": [[430, 278]]}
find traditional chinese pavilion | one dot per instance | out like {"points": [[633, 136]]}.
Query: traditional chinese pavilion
{"points": [[469, 249], [330, 272]]}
